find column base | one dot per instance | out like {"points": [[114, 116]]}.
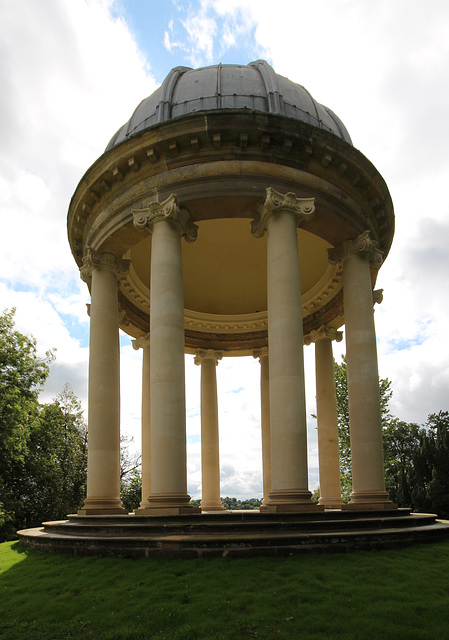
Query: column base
{"points": [[168, 505], [331, 503], [211, 505], [102, 506], [371, 500], [290, 501]]}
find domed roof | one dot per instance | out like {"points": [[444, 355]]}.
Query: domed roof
{"points": [[255, 87]]}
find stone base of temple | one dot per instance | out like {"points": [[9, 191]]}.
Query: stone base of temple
{"points": [[291, 508], [236, 533], [167, 511], [363, 506]]}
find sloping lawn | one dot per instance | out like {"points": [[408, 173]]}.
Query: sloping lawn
{"points": [[380, 594]]}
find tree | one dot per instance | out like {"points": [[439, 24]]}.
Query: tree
{"points": [[131, 490], [55, 470], [130, 474], [235, 504], [43, 447], [401, 442], [431, 468], [22, 376]]}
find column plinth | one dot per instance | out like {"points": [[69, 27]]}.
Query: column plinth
{"points": [[167, 223], [280, 216], [210, 458], [103, 460], [368, 476]]}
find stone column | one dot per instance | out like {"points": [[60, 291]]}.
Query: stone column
{"points": [[143, 342], [210, 458], [368, 480], [280, 216], [167, 223], [326, 401], [262, 355], [103, 461]]}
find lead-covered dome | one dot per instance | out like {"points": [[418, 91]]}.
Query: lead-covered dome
{"points": [[254, 87]]}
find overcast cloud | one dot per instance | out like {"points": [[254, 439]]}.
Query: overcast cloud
{"points": [[72, 71]]}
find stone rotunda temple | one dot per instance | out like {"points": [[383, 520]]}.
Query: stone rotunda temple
{"points": [[232, 216]]}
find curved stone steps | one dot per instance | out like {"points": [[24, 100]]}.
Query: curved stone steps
{"points": [[235, 533]]}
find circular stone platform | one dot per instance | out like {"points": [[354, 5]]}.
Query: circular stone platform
{"points": [[236, 533]]}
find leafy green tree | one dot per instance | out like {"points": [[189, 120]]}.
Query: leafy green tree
{"points": [[131, 490], [234, 503], [431, 468], [401, 441], [43, 447], [130, 474], [55, 469], [22, 376]]}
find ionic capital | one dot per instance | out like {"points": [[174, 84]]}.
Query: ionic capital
{"points": [[141, 342], [98, 260], [378, 296], [275, 202], [258, 354], [203, 354], [123, 317], [363, 244], [168, 210], [323, 333]]}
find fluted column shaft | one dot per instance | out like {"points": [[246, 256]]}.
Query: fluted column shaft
{"points": [[326, 400], [210, 457], [280, 217], [363, 376], [103, 466], [167, 222], [262, 355]]}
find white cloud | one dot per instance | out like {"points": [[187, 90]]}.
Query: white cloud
{"points": [[71, 74]]}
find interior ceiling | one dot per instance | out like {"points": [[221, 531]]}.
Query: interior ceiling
{"points": [[225, 269]]}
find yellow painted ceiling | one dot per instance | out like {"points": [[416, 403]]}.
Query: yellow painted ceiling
{"points": [[225, 269]]}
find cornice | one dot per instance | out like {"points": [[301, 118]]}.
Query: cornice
{"points": [[206, 137]]}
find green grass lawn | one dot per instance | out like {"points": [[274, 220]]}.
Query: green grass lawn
{"points": [[381, 594]]}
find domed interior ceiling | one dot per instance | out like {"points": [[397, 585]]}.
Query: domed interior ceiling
{"points": [[225, 269]]}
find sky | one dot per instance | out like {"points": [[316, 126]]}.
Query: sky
{"points": [[73, 71]]}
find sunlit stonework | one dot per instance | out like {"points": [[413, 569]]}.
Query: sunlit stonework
{"points": [[291, 224]]}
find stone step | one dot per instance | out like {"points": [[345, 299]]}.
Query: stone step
{"points": [[143, 525], [235, 544]]}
